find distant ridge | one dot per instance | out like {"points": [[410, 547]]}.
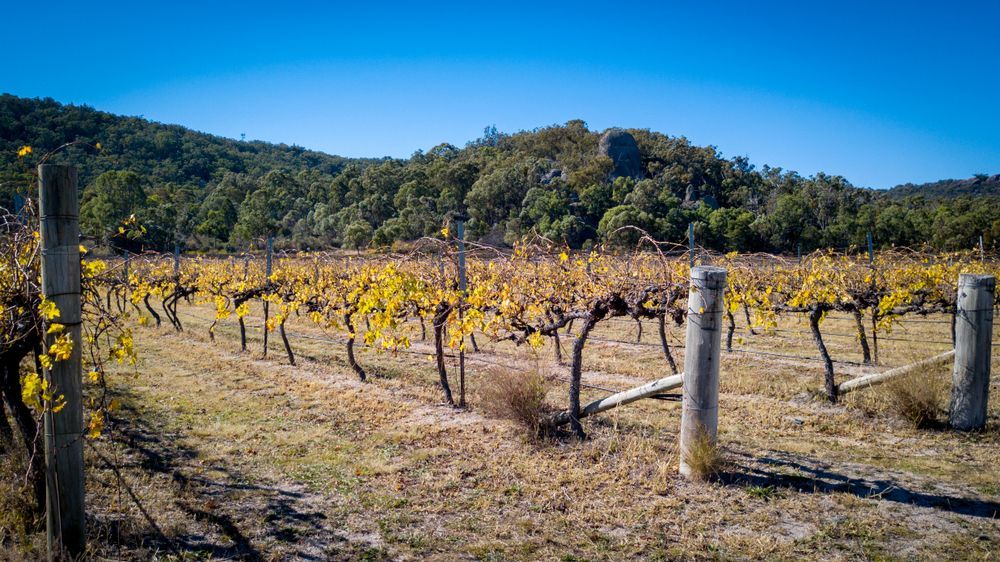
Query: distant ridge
{"points": [[979, 185]]}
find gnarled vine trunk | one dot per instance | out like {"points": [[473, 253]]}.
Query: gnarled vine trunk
{"points": [[440, 317], [730, 330], [865, 350], [349, 324], [576, 376], [284, 340], [831, 385], [662, 322], [24, 420], [152, 312]]}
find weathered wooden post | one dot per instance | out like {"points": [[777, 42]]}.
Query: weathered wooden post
{"points": [[691, 243], [462, 286], [973, 340], [177, 259], [267, 281], [60, 239], [700, 406]]}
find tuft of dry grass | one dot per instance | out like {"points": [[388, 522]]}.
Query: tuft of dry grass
{"points": [[703, 456], [19, 520], [515, 395], [917, 398]]}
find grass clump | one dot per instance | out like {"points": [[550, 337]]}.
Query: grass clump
{"points": [[516, 395], [917, 398], [702, 456]]}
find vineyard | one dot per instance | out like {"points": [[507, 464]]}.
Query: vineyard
{"points": [[537, 295], [336, 405]]}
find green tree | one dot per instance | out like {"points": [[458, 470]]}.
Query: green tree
{"points": [[111, 199], [357, 235]]}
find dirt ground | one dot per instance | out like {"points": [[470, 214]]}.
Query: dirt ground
{"points": [[234, 456]]}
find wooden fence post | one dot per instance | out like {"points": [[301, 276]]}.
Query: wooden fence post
{"points": [[973, 341], [267, 281], [60, 241], [177, 259], [462, 287], [700, 405], [691, 250]]}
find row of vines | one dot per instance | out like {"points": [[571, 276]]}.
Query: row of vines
{"points": [[537, 293]]}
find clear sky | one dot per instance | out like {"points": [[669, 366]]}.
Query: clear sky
{"points": [[879, 92]]}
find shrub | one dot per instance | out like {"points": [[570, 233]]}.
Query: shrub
{"points": [[517, 396]]}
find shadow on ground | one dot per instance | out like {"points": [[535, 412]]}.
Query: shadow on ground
{"points": [[807, 475], [225, 515]]}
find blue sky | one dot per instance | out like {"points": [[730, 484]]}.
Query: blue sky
{"points": [[879, 92]]}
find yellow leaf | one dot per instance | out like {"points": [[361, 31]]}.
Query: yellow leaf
{"points": [[48, 309], [535, 340], [95, 426]]}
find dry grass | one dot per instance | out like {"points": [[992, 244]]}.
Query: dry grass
{"points": [[703, 456], [917, 398], [240, 454], [19, 520], [518, 396]]}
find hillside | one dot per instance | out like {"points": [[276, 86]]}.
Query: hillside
{"points": [[161, 153], [980, 185], [565, 182]]}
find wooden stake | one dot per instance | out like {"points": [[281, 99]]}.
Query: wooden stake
{"points": [[60, 241], [462, 286], [647, 390], [700, 410], [973, 334], [267, 281], [691, 243], [868, 381]]}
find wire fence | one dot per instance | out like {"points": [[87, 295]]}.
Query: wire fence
{"points": [[485, 359]]}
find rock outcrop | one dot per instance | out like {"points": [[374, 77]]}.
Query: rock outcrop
{"points": [[621, 148]]}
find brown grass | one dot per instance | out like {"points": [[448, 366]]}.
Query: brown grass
{"points": [[518, 396], [703, 456], [307, 462], [19, 521], [917, 398]]}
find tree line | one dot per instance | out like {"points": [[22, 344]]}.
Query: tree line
{"points": [[211, 193]]}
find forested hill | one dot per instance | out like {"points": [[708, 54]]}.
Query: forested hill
{"points": [[565, 182], [160, 153], [979, 185]]}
